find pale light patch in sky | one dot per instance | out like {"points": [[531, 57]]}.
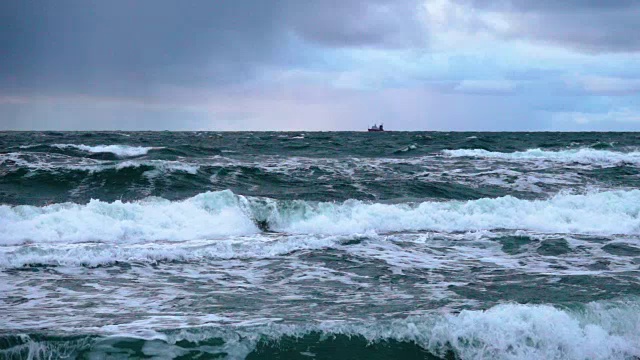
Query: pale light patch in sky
{"points": [[609, 85], [486, 86], [454, 26], [622, 115]]}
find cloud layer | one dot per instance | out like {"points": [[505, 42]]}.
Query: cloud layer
{"points": [[587, 25], [324, 65]]}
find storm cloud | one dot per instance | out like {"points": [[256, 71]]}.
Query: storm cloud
{"points": [[326, 64], [587, 25], [126, 45]]}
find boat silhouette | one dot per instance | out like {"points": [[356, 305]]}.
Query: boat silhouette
{"points": [[376, 128]]}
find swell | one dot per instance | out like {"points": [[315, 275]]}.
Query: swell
{"points": [[598, 330], [122, 151], [172, 172], [60, 177], [223, 213]]}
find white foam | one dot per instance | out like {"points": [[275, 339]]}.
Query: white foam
{"points": [[48, 162], [611, 212], [222, 213], [160, 166], [534, 332], [204, 216], [513, 331], [603, 331], [94, 254], [118, 150], [584, 155]]}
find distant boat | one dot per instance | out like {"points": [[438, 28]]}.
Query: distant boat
{"points": [[376, 128]]}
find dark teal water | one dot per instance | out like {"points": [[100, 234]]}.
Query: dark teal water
{"points": [[319, 245]]}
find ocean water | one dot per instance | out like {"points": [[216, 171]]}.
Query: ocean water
{"points": [[395, 245]]}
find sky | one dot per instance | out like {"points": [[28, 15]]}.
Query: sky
{"points": [[461, 65]]}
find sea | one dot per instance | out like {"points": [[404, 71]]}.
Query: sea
{"points": [[319, 245]]}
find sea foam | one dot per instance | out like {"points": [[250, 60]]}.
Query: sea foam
{"points": [[207, 215], [611, 212], [95, 254], [214, 214], [514, 331], [598, 330], [584, 155]]}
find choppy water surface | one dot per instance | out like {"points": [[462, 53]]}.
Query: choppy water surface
{"points": [[320, 245]]}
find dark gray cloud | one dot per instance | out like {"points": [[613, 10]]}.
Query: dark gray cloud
{"points": [[109, 46], [586, 25], [357, 22], [100, 44]]}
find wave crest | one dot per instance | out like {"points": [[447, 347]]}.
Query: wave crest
{"points": [[118, 150], [207, 215], [584, 156], [215, 214]]}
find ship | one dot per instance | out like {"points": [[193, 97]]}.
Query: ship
{"points": [[376, 128]]}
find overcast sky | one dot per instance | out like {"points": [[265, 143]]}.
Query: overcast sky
{"points": [[320, 64]]}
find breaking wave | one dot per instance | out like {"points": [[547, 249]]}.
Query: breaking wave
{"points": [[121, 151], [204, 216], [598, 330], [584, 155], [215, 214]]}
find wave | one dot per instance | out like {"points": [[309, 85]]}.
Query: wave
{"points": [[610, 212], [160, 165], [598, 330], [204, 216], [121, 151], [60, 163], [46, 162], [216, 214], [584, 155]]}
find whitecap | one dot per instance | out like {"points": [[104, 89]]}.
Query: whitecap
{"points": [[204, 216], [224, 213], [584, 155], [599, 330], [118, 150]]}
